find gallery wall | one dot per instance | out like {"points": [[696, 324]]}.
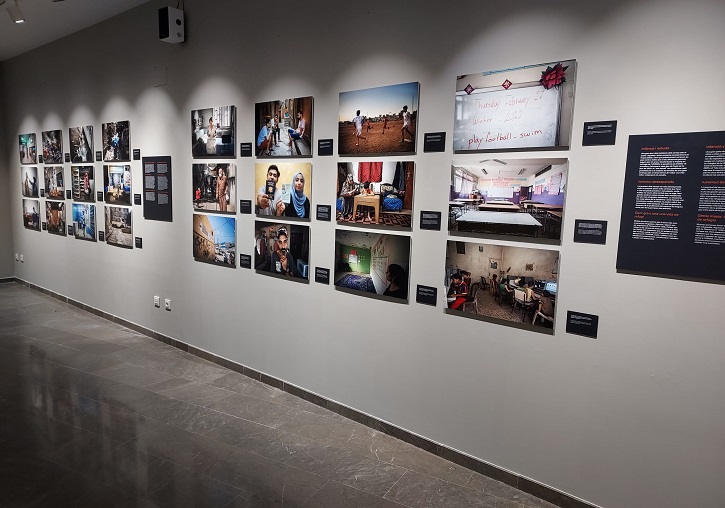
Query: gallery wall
{"points": [[6, 218], [630, 419]]}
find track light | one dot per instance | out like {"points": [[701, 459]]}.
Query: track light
{"points": [[15, 13]]}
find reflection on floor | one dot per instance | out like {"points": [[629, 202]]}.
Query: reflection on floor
{"points": [[93, 414]]}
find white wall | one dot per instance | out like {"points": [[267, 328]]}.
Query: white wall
{"points": [[632, 419]]}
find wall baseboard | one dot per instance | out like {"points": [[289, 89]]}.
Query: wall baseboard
{"points": [[492, 471]]}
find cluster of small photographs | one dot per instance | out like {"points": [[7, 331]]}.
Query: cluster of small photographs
{"points": [[282, 249]]}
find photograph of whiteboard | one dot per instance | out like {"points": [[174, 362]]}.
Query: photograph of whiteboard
{"points": [[513, 109], [508, 197]]}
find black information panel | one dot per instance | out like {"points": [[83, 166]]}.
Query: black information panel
{"points": [[434, 142], [580, 323], [427, 295], [157, 188], [245, 149], [245, 206], [42, 193], [245, 260], [68, 194], [136, 154], [322, 275], [99, 156], [45, 226], [673, 209], [67, 157], [324, 212], [324, 147], [40, 159], [99, 196], [137, 199], [599, 133], [102, 236], [138, 242], [430, 220], [590, 231]]}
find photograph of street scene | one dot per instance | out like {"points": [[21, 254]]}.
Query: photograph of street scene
{"points": [[81, 144], [214, 187], [28, 149], [84, 221], [119, 231], [283, 128], [215, 240], [380, 120]]}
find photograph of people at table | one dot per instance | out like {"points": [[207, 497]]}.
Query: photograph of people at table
{"points": [[283, 189], [386, 201], [505, 284], [372, 263], [508, 197]]}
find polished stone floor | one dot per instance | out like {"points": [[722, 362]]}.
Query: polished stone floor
{"points": [[94, 414]]}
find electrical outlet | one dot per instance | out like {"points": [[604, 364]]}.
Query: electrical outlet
{"points": [[17, 256], [21, 259], [167, 303], [157, 301]]}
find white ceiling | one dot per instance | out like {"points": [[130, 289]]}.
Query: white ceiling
{"points": [[47, 21]]}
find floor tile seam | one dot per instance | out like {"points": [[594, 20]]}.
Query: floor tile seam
{"points": [[304, 503]]}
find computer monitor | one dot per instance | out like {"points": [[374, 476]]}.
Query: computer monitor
{"points": [[550, 287]]}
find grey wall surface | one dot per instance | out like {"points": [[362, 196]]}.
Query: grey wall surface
{"points": [[6, 217], [632, 419]]}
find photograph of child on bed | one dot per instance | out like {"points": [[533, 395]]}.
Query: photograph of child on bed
{"points": [[282, 249], [391, 182], [372, 263]]}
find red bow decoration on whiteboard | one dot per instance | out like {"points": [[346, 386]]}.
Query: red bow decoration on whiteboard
{"points": [[553, 76]]}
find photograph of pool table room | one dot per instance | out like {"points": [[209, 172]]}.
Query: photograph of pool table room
{"points": [[514, 286], [372, 263], [508, 197], [376, 193]]}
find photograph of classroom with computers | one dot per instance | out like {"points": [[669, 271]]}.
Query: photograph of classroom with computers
{"points": [[508, 197], [506, 284]]}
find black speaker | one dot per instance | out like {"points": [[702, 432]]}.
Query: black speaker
{"points": [[171, 25]]}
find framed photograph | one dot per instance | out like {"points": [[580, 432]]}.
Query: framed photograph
{"points": [[54, 182], [116, 141], [213, 132], [81, 144], [283, 189], [28, 149], [508, 197], [379, 121], [52, 147], [283, 128], [282, 249], [378, 193], [29, 184], [372, 263], [215, 239], [119, 230], [31, 214], [83, 183], [214, 187], [117, 184], [55, 217], [513, 286], [84, 221], [524, 108]]}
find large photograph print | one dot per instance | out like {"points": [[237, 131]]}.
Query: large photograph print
{"points": [[378, 121], [54, 182], [214, 187], [83, 183], [514, 286], [116, 141], [28, 149], [283, 189], [81, 144], [524, 108], [508, 197], [283, 128], [55, 217], [29, 181], [213, 132], [282, 249], [372, 263], [31, 214], [376, 193], [119, 230], [52, 147], [215, 240], [117, 184], [84, 221]]}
